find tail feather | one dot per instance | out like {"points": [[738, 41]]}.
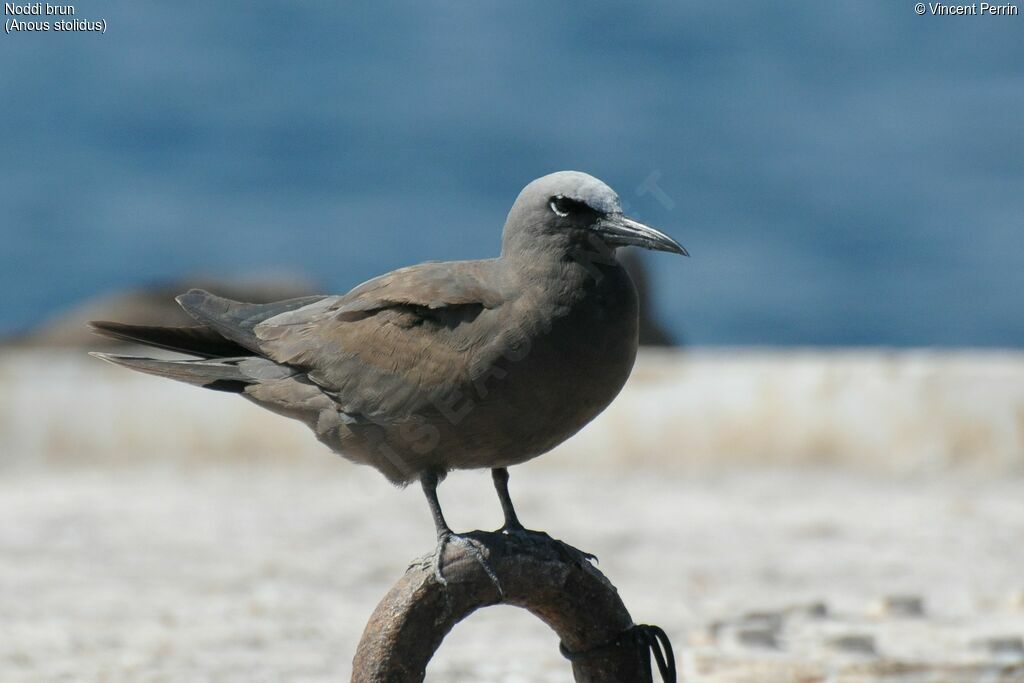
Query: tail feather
{"points": [[221, 375], [227, 347], [196, 340]]}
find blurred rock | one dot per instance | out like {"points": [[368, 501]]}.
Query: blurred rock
{"points": [[652, 332], [151, 305], [858, 644], [768, 620], [899, 606], [757, 637], [813, 610], [1004, 647], [757, 629]]}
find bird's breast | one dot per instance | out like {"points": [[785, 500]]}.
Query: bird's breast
{"points": [[561, 362], [538, 368]]}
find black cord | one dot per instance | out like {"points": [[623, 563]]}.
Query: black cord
{"points": [[652, 638], [661, 647]]}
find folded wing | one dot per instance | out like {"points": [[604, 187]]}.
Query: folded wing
{"points": [[391, 347]]}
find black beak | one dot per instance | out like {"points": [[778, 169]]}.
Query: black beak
{"points": [[619, 231]]}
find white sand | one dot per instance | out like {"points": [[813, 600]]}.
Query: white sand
{"points": [[257, 572], [154, 532]]}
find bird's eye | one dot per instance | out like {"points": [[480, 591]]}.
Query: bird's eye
{"points": [[560, 205]]}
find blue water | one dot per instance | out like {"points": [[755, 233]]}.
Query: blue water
{"points": [[843, 173]]}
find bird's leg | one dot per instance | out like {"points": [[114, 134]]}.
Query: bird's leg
{"points": [[512, 523], [444, 532], [445, 535], [429, 483], [514, 526]]}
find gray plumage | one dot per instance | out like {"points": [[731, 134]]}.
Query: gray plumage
{"points": [[439, 366]]}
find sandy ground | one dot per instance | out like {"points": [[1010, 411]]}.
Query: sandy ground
{"points": [[263, 571]]}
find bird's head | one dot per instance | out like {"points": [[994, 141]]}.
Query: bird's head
{"points": [[570, 208]]}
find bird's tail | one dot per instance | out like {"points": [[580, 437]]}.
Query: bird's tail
{"points": [[197, 340], [221, 374], [228, 351]]}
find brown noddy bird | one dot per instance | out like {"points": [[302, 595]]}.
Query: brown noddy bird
{"points": [[442, 365]]}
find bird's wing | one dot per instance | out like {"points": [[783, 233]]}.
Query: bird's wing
{"points": [[429, 285], [393, 346], [235, 320]]}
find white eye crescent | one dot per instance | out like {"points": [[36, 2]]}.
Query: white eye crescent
{"points": [[558, 205]]}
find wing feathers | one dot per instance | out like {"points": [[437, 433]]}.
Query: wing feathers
{"points": [[233, 319]]}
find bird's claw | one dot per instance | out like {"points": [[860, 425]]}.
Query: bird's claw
{"points": [[571, 553], [580, 556], [472, 548]]}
